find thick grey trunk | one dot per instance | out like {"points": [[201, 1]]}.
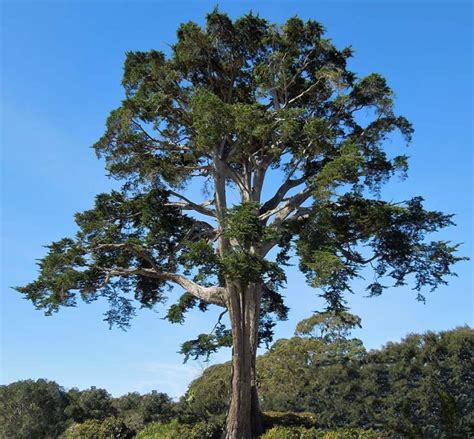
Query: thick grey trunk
{"points": [[244, 417]]}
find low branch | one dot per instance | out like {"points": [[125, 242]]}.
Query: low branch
{"points": [[222, 314], [212, 295]]}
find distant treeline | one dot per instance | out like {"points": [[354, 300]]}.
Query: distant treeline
{"points": [[422, 387]]}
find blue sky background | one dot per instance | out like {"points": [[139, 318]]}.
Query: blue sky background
{"points": [[61, 66]]}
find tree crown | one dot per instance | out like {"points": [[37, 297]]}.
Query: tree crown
{"points": [[236, 106]]}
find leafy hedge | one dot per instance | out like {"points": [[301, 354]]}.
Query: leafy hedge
{"points": [[110, 428], [289, 419], [212, 430], [173, 430], [313, 433]]}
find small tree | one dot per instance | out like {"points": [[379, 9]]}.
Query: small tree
{"points": [[244, 108]]}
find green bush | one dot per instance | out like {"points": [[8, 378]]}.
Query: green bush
{"points": [[174, 430], [352, 433], [313, 433], [87, 429], [110, 428], [292, 433], [289, 419], [207, 430], [158, 430]]}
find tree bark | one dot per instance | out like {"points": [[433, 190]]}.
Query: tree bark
{"points": [[244, 416]]}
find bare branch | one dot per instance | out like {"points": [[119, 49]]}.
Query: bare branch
{"points": [[273, 202], [213, 295], [357, 258], [300, 214], [222, 314], [282, 212], [187, 204]]}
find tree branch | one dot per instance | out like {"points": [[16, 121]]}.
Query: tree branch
{"points": [[273, 202], [213, 295], [187, 204], [357, 258], [300, 213], [291, 204]]}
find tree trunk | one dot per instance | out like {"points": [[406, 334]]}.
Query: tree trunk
{"points": [[244, 417]]}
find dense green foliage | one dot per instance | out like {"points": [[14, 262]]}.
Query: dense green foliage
{"points": [[42, 409], [313, 433], [139, 410], [234, 103], [319, 384], [109, 428], [173, 430], [209, 430], [32, 410], [87, 404], [422, 386]]}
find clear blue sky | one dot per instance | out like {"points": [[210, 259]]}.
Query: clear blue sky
{"points": [[61, 66]]}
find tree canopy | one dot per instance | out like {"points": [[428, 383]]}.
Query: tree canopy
{"points": [[421, 386], [233, 103]]}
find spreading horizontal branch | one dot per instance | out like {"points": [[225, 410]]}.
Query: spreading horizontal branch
{"points": [[212, 295]]}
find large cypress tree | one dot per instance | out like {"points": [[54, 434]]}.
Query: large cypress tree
{"points": [[269, 116]]}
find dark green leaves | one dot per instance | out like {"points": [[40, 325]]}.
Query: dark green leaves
{"points": [[344, 236], [120, 234], [234, 102]]}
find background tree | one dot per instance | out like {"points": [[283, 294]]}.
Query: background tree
{"points": [[139, 410], [315, 371], [94, 429], [32, 410], [311, 372], [91, 403], [241, 107], [422, 386]]}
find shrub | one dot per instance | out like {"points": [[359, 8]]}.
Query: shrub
{"points": [[292, 433], [289, 419], [87, 429], [352, 433], [313, 433], [110, 428], [169, 430], [174, 430], [207, 430]]}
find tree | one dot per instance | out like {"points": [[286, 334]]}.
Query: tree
{"points": [[32, 410], [422, 386], [139, 410], [239, 107], [294, 375], [87, 404], [315, 371]]}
